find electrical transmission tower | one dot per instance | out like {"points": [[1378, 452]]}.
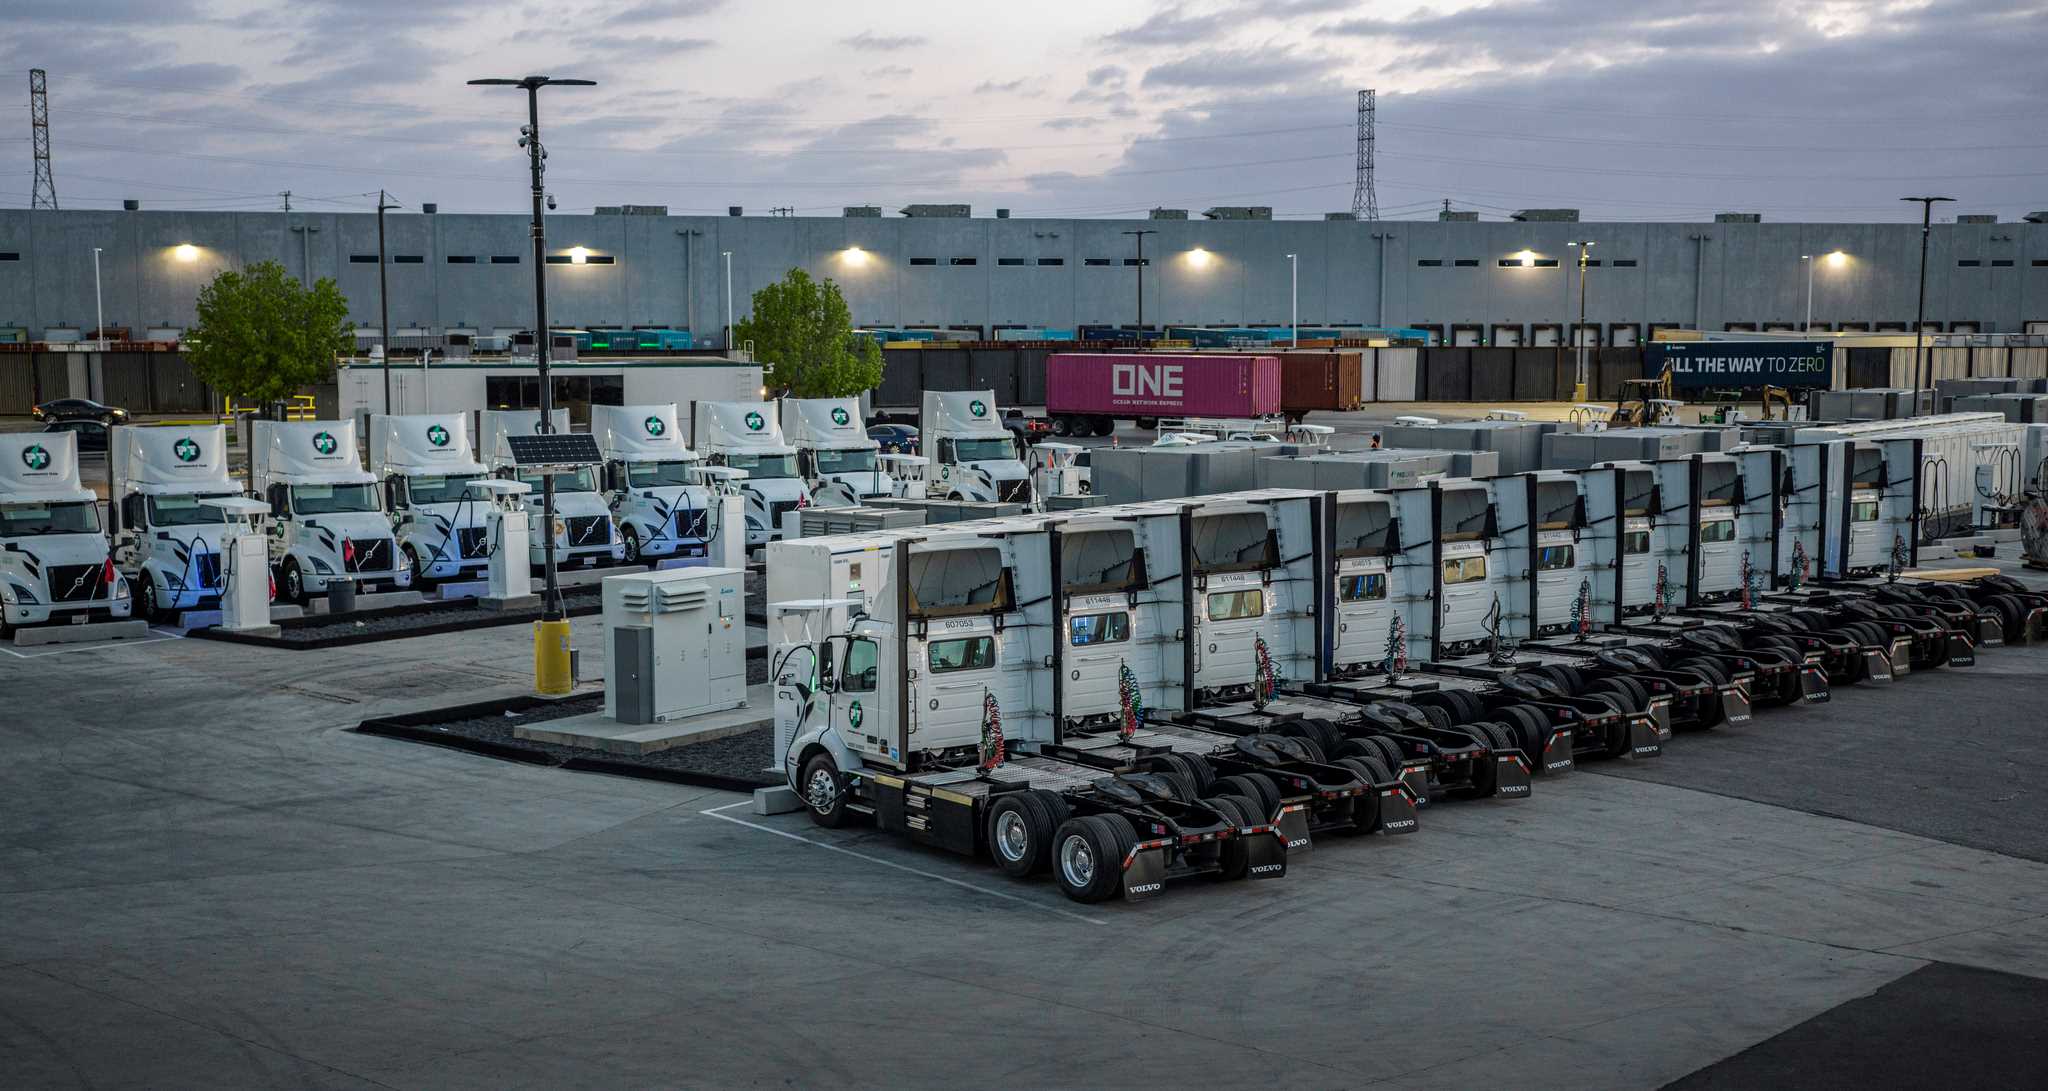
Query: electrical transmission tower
{"points": [[1365, 201], [39, 125]]}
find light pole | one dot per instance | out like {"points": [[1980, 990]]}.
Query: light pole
{"points": [[1140, 236], [99, 309], [1920, 315], [727, 255], [553, 630], [1579, 331], [384, 293], [1808, 259], [1294, 301]]}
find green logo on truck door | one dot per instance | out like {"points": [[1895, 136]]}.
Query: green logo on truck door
{"points": [[185, 449], [35, 457], [755, 422], [437, 435], [655, 427], [323, 442], [977, 408], [853, 714], [839, 415]]}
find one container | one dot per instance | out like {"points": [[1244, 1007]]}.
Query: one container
{"points": [[1129, 386]]}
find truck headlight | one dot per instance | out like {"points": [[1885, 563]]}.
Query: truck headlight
{"points": [[120, 588], [8, 593], [20, 594], [322, 567]]}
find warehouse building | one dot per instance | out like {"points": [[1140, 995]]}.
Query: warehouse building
{"points": [[1514, 283]]}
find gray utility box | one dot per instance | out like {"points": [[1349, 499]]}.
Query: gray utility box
{"points": [[2018, 408], [821, 521], [1518, 443], [1380, 469], [1579, 450], [675, 644], [946, 511], [1870, 403], [1123, 475]]}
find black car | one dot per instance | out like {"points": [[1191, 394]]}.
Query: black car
{"points": [[898, 438], [80, 409], [92, 435]]}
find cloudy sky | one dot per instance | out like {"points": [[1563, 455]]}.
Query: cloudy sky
{"points": [[1638, 109]]}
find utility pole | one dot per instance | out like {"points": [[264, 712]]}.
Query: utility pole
{"points": [[39, 136], [384, 294], [1294, 301], [99, 309], [554, 627], [1365, 199], [287, 195], [727, 255], [1808, 259], [1920, 364], [1140, 236]]}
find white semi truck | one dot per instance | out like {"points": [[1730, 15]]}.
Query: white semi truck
{"points": [[841, 464], [54, 562], [327, 519], [426, 464], [167, 539], [973, 455], [585, 535], [654, 483], [747, 436]]}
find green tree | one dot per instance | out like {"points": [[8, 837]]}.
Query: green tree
{"points": [[262, 337], [803, 334]]}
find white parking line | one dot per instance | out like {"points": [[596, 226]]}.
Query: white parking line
{"points": [[716, 812], [158, 637]]}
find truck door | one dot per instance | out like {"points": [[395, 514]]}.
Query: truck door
{"points": [[1229, 617], [1802, 496], [958, 673], [1365, 612], [1098, 631], [1467, 592]]}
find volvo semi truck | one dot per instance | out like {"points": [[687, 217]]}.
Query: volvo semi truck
{"points": [[54, 561], [973, 456], [167, 539], [840, 464], [426, 465], [327, 518], [585, 535], [747, 436], [653, 482]]}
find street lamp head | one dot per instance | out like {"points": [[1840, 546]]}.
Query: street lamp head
{"points": [[579, 255], [186, 252], [1527, 258], [854, 256], [1838, 259], [1198, 257]]}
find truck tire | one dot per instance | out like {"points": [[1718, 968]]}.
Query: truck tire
{"points": [[1200, 770], [1148, 423], [1437, 717], [1061, 427], [1233, 856], [1103, 426], [291, 582], [420, 582], [824, 792], [152, 611], [1088, 856], [1389, 750], [1020, 834]]}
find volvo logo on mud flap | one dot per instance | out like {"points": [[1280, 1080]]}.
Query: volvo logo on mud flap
{"points": [[1145, 888], [1267, 869], [1398, 824], [1513, 790]]}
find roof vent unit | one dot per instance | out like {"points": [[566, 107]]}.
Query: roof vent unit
{"points": [[1738, 217], [1977, 218], [1169, 214], [864, 212], [1239, 212], [1547, 215], [937, 212]]}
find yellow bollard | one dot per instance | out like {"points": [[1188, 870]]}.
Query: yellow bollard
{"points": [[551, 658]]}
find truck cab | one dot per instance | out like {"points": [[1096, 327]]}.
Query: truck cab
{"points": [[426, 465], [747, 436], [1473, 607], [1624, 502], [54, 561], [1122, 606], [1550, 579], [1249, 559], [1370, 589], [584, 533], [654, 484], [973, 456], [327, 518], [840, 464], [167, 540]]}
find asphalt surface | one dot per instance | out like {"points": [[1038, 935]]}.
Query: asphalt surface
{"points": [[206, 879]]}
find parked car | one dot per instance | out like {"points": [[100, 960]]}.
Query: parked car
{"points": [[92, 435], [1028, 430], [79, 409], [895, 438]]}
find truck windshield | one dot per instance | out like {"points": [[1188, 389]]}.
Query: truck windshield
{"points": [[984, 450], [71, 517], [763, 466], [185, 510], [846, 462], [437, 489], [578, 480], [657, 475], [333, 499]]}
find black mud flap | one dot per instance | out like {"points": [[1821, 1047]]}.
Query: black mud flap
{"points": [[1643, 738], [1397, 809], [1510, 775], [1293, 826], [1961, 652], [1734, 704], [2036, 627], [1813, 685], [1990, 633], [1660, 711], [1557, 751], [1877, 667], [1145, 875], [1415, 774], [1268, 854]]}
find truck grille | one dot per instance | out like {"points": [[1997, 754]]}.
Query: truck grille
{"points": [[206, 569], [691, 524], [75, 582], [1017, 491], [589, 530], [776, 508], [471, 541], [373, 555]]}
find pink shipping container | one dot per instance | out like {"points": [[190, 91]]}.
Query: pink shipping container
{"points": [[1086, 390]]}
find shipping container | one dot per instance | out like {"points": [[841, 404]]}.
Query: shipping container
{"points": [[1096, 388], [1311, 381]]}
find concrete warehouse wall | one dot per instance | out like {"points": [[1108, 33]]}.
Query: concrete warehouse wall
{"points": [[666, 270]]}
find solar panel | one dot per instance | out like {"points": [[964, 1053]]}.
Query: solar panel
{"points": [[553, 449]]}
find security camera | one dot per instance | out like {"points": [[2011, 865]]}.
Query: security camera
{"points": [[522, 141], [551, 202]]}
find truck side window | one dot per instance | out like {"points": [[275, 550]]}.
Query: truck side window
{"points": [[131, 511], [966, 654], [1553, 558], [1863, 511], [1362, 587], [280, 500], [1085, 629], [1635, 542], [1723, 531], [1464, 569], [1237, 605], [858, 675]]}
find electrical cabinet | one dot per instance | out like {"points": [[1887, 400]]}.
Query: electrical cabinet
{"points": [[695, 657]]}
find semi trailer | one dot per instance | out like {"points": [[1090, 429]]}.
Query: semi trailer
{"points": [[747, 437], [972, 455], [653, 484], [55, 566], [167, 539], [426, 464], [840, 464], [327, 518], [585, 535], [1086, 393]]}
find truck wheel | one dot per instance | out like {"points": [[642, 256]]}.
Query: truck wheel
{"points": [[1199, 771], [1389, 750], [1088, 856], [1233, 856], [824, 792], [420, 582], [152, 612], [1060, 427], [1148, 423], [1105, 426], [292, 583], [1020, 835]]}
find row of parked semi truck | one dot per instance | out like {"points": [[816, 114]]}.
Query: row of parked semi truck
{"points": [[410, 517], [1128, 695]]}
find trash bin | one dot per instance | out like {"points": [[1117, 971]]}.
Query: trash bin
{"points": [[341, 596]]}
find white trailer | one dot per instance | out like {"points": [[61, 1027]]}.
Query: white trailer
{"points": [[427, 464], [841, 465], [973, 455], [54, 561], [167, 539], [654, 484], [327, 519], [747, 436], [585, 535]]}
